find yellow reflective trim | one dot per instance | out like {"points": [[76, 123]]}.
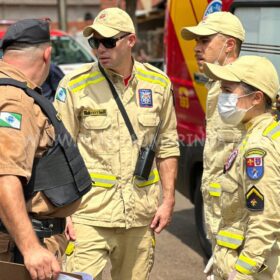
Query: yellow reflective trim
{"points": [[103, 176], [245, 265], [83, 77], [103, 180], [92, 82], [151, 73], [151, 80], [270, 128], [70, 248], [215, 189], [275, 135], [153, 178], [231, 235], [227, 244]]}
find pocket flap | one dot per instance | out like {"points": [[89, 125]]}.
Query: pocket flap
{"points": [[148, 119], [229, 135], [97, 122]]}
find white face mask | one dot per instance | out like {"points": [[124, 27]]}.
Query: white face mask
{"points": [[228, 110]]}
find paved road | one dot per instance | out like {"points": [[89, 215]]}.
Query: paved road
{"points": [[178, 253]]}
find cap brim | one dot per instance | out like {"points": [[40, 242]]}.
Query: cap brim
{"points": [[190, 33], [218, 72], [101, 29]]}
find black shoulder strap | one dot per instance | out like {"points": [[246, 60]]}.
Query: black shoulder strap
{"points": [[45, 105], [120, 105]]}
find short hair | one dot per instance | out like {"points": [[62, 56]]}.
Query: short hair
{"points": [[22, 46]]}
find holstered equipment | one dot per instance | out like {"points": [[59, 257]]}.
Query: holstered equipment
{"points": [[61, 173]]}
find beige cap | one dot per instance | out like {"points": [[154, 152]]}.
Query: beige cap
{"points": [[256, 71], [219, 22], [109, 22]]}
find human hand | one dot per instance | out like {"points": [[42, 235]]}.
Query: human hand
{"points": [[41, 264], [162, 217], [69, 230], [232, 275]]}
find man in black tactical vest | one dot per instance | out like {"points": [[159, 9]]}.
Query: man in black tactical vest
{"points": [[42, 175]]}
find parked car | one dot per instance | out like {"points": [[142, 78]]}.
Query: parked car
{"points": [[67, 52]]}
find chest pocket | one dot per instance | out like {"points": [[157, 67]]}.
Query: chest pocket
{"points": [[98, 130], [231, 199], [227, 140], [147, 124]]}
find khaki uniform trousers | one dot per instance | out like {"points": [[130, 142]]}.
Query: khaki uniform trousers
{"points": [[131, 252], [55, 244]]}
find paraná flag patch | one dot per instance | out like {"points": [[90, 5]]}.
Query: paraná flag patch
{"points": [[10, 120]]}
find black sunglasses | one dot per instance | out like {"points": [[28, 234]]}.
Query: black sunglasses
{"points": [[108, 43]]}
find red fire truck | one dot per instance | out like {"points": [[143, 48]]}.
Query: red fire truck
{"points": [[261, 20]]}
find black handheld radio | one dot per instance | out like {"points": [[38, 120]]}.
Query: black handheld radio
{"points": [[146, 158]]}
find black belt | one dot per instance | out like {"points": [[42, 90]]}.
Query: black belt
{"points": [[44, 228]]}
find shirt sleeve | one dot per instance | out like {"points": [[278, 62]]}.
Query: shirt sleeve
{"points": [[64, 103], [262, 192], [19, 134], [168, 138]]}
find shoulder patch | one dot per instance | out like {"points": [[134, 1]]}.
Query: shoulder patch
{"points": [[254, 199], [230, 160], [61, 94], [10, 120], [255, 163]]}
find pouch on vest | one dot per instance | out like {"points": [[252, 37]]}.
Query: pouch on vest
{"points": [[61, 173]]}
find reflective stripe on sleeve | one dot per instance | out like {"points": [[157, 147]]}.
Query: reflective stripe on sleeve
{"points": [[215, 189], [229, 239], [153, 178], [103, 180], [245, 265], [272, 131]]}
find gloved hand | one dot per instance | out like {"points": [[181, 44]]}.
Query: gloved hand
{"points": [[209, 269]]}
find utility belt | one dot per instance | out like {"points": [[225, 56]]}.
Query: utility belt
{"points": [[44, 228]]}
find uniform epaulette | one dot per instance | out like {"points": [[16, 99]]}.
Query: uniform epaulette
{"points": [[85, 76], [272, 131], [80, 71], [149, 73]]}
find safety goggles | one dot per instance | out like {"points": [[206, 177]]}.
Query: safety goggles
{"points": [[108, 43]]}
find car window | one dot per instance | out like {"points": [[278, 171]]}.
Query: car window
{"points": [[65, 50], [262, 32]]}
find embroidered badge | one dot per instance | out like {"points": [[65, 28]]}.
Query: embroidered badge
{"points": [[230, 160], [254, 199], [146, 98], [11, 120], [255, 163], [61, 95], [95, 112]]}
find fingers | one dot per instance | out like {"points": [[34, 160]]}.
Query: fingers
{"points": [[55, 269]]}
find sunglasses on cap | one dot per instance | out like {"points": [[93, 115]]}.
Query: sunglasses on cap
{"points": [[108, 43]]}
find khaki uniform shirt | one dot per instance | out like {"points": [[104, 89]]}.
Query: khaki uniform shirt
{"points": [[220, 140], [250, 205], [25, 133], [91, 115]]}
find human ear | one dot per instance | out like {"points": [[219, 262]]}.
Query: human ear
{"points": [[230, 45], [47, 53], [131, 40], [258, 98]]}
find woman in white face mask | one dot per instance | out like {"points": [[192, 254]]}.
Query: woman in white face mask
{"points": [[248, 240]]}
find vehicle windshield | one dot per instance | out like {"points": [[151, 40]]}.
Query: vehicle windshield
{"points": [[65, 50], [262, 32]]}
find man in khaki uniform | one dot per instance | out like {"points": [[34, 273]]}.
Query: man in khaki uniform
{"points": [[118, 218], [25, 135], [218, 40], [249, 236]]}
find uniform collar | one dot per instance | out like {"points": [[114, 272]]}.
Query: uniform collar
{"points": [[13, 72], [253, 123]]}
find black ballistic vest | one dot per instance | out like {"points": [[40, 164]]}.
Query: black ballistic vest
{"points": [[61, 173]]}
